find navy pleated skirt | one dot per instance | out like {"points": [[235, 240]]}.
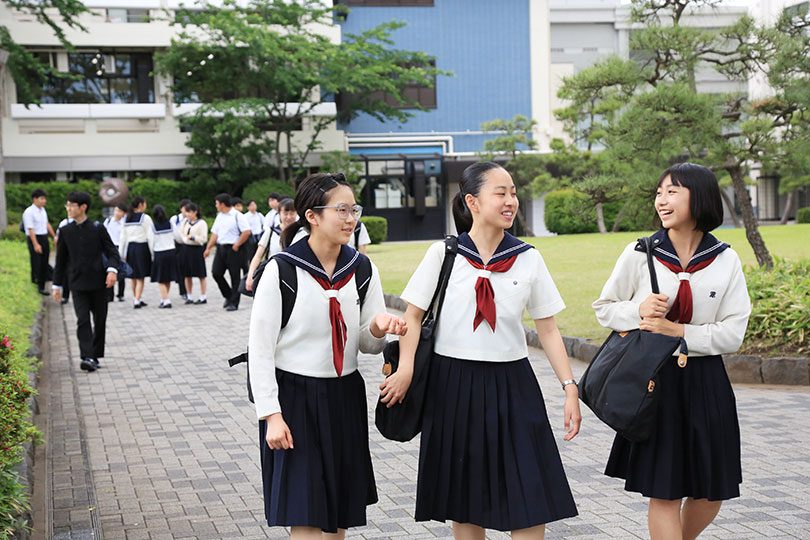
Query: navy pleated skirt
{"points": [[193, 261], [695, 448], [164, 267], [327, 480], [139, 258], [180, 254], [488, 455]]}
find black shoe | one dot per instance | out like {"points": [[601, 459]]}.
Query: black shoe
{"points": [[184, 296], [189, 301], [120, 298], [64, 301], [226, 303], [96, 362], [43, 292], [165, 306], [137, 306], [87, 364], [231, 308], [198, 301], [143, 304]]}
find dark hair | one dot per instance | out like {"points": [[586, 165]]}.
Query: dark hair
{"points": [[250, 201], [135, 203], [159, 214], [224, 198], [236, 200], [122, 206], [191, 207], [273, 195], [705, 202], [312, 191], [80, 198], [471, 181], [37, 193], [184, 202], [286, 204]]}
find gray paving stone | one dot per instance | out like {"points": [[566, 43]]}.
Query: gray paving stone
{"points": [[171, 449]]}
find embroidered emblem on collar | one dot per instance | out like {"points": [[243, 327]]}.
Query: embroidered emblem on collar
{"points": [[508, 247]]}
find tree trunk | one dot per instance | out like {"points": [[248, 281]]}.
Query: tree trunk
{"points": [[280, 158], [789, 204], [617, 223], [731, 210], [749, 219], [600, 218], [522, 223]]}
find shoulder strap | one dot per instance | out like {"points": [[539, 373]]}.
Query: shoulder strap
{"points": [[435, 307], [646, 243], [362, 277], [288, 285]]}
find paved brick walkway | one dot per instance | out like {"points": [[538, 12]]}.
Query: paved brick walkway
{"points": [[161, 443]]}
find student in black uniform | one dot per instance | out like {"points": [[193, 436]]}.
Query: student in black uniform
{"points": [[310, 398], [694, 453], [79, 255], [487, 458]]}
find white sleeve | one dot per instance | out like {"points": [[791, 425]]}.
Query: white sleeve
{"points": [[150, 233], [614, 307], [363, 239], [423, 282], [725, 335], [242, 223], [265, 239], [216, 226], [544, 299], [265, 325], [373, 305], [123, 242], [28, 221]]}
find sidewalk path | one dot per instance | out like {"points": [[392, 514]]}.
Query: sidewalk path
{"points": [[161, 443]]}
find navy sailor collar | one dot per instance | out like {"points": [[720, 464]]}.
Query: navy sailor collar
{"points": [[663, 249], [509, 247], [302, 256], [134, 218]]}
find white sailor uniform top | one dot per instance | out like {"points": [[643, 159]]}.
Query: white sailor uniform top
{"points": [[304, 345], [720, 307], [527, 284], [164, 237], [137, 229]]}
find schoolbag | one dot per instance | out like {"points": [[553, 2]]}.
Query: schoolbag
{"points": [[288, 285], [357, 230]]}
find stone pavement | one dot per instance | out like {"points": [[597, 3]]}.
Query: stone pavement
{"points": [[161, 443]]}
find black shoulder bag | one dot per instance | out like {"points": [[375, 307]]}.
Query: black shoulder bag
{"points": [[403, 421], [621, 384]]}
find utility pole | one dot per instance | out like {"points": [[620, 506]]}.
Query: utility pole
{"points": [[3, 212]]}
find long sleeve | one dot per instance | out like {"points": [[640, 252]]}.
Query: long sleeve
{"points": [[123, 243], [62, 263], [200, 233], [109, 250], [614, 307], [265, 326], [149, 227], [726, 334], [373, 305]]}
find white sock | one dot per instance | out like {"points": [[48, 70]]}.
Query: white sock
{"points": [[136, 301], [202, 297], [166, 302]]}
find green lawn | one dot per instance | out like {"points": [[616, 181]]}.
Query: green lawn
{"points": [[581, 263]]}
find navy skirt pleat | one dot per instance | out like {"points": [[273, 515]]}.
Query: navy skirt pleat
{"points": [[326, 480], [488, 455], [164, 267], [139, 258], [182, 259], [193, 261], [695, 448]]}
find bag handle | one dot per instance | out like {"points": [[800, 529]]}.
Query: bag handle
{"points": [[435, 307], [646, 242]]}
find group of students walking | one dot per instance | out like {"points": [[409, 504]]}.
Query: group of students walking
{"points": [[488, 457]]}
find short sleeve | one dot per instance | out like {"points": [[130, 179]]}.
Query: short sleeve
{"points": [[544, 299], [364, 239], [265, 239], [422, 284], [216, 226], [242, 222], [27, 219]]}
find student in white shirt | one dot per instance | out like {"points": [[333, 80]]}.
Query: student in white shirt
{"points": [[488, 459], [114, 224], [195, 236], [37, 229], [310, 398], [229, 233], [178, 220], [270, 241], [694, 453], [136, 246], [164, 265], [271, 219], [256, 221]]}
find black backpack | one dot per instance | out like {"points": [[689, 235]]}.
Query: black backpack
{"points": [[288, 285]]}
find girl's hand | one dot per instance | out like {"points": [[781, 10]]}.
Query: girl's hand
{"points": [[278, 435], [571, 414], [660, 325], [385, 323], [395, 386], [249, 281], [654, 306]]}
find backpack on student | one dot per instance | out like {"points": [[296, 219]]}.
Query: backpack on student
{"points": [[288, 285]]}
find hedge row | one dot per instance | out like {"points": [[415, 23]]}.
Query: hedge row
{"points": [[377, 228], [803, 215], [571, 212]]}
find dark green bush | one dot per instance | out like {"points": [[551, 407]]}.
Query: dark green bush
{"points": [[569, 212], [803, 215], [377, 228], [780, 316], [261, 189], [13, 233], [18, 198]]}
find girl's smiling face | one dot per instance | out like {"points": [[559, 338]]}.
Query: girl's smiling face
{"points": [[672, 204]]}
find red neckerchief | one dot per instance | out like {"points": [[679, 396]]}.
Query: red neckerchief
{"points": [[484, 295], [336, 320], [682, 307]]}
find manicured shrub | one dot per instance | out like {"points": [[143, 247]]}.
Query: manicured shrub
{"points": [[803, 215], [13, 233], [377, 228], [569, 212], [780, 316], [18, 198], [261, 189]]}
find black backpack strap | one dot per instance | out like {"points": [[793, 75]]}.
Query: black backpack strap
{"points": [[647, 244], [362, 277], [288, 285], [450, 250]]}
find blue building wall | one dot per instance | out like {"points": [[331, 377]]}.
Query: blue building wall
{"points": [[484, 43]]}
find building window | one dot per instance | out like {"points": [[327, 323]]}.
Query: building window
{"points": [[117, 15], [102, 78], [414, 96], [387, 3]]}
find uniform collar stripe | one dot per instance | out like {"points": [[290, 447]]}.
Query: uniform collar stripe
{"points": [[302, 261], [346, 267]]}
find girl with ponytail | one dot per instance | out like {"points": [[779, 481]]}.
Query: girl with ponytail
{"points": [[487, 459], [310, 398]]}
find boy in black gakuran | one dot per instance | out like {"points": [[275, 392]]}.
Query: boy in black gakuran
{"points": [[79, 258]]}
